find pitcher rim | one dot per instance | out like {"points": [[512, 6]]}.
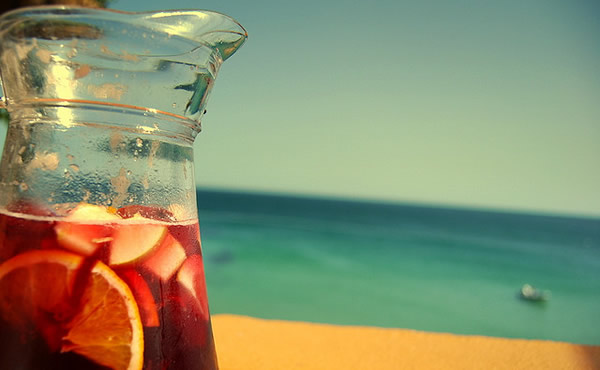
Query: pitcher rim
{"points": [[25, 9], [41, 9]]}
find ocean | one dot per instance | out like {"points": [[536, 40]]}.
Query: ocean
{"points": [[402, 266]]}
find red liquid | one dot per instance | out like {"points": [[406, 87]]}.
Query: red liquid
{"points": [[167, 282]]}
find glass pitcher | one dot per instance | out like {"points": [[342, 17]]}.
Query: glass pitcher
{"points": [[100, 256]]}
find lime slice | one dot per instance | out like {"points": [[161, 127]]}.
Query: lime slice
{"points": [[132, 242]]}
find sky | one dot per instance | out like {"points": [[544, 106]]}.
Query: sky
{"points": [[469, 103]]}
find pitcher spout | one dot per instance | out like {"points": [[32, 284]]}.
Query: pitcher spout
{"points": [[212, 29], [155, 63]]}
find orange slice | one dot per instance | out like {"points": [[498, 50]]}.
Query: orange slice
{"points": [[35, 288]]}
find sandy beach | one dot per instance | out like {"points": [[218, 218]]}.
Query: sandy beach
{"points": [[248, 343]]}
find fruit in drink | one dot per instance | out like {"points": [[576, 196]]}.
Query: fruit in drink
{"points": [[75, 233], [133, 242], [191, 277], [105, 326], [143, 297], [102, 289], [167, 259]]}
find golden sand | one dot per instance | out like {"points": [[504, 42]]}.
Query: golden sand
{"points": [[249, 343]]}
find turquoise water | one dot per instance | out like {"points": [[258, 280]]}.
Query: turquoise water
{"points": [[424, 268]]}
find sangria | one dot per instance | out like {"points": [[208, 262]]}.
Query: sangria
{"points": [[102, 288]]}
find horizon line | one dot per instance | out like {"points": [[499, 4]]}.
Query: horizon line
{"points": [[400, 203]]}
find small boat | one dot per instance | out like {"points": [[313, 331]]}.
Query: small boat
{"points": [[533, 294]]}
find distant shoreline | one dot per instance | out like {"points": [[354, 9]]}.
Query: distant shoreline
{"points": [[394, 203]]}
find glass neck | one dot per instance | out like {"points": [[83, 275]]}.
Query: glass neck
{"points": [[57, 156]]}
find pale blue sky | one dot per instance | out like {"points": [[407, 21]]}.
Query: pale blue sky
{"points": [[492, 104]]}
